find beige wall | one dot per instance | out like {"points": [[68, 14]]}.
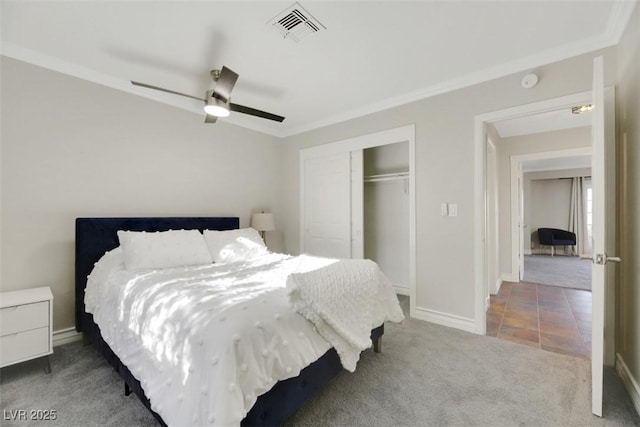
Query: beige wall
{"points": [[444, 171], [527, 144], [72, 148], [628, 119]]}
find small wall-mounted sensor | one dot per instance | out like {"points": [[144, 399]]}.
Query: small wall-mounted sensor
{"points": [[529, 81]]}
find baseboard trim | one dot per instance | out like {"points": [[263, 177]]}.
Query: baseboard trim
{"points": [[629, 381], [445, 319], [66, 336], [497, 286], [527, 252], [510, 278], [401, 290]]}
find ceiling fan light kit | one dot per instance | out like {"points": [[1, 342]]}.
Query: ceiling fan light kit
{"points": [[218, 100], [216, 107]]}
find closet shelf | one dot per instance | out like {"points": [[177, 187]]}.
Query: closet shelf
{"points": [[386, 177]]}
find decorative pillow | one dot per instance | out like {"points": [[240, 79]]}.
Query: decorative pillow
{"points": [[234, 245], [165, 249]]}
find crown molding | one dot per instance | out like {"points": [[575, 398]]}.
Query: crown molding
{"points": [[523, 64], [618, 20], [55, 64]]}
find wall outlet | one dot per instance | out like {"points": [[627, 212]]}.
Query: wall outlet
{"points": [[444, 209], [453, 209]]}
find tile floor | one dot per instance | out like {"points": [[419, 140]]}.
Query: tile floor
{"points": [[548, 317]]}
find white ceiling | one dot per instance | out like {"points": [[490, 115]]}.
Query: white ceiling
{"points": [[373, 54]]}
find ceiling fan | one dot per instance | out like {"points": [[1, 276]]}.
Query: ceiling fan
{"points": [[217, 101]]}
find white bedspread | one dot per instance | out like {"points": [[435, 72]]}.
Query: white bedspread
{"points": [[206, 341], [344, 300]]}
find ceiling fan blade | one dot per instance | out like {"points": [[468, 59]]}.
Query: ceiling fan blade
{"points": [[223, 88], [253, 112], [225, 84], [166, 90]]}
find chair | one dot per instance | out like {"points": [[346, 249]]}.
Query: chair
{"points": [[554, 237]]}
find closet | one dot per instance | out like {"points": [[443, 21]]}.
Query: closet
{"points": [[386, 211], [357, 201]]}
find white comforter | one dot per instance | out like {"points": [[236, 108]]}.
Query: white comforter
{"points": [[206, 341], [343, 299]]}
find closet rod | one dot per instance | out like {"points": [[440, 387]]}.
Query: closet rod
{"points": [[386, 177]]}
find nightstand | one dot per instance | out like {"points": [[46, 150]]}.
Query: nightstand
{"points": [[25, 326]]}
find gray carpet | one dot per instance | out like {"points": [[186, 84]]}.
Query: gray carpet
{"points": [[427, 375], [563, 271]]}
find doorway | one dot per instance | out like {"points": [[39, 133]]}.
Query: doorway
{"points": [[540, 313], [603, 146], [480, 241], [481, 132], [549, 193], [386, 211]]}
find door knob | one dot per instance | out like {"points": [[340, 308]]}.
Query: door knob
{"points": [[600, 259]]}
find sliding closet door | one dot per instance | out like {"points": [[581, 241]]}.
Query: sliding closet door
{"points": [[357, 204], [327, 205]]}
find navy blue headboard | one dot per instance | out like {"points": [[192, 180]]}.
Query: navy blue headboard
{"points": [[95, 236]]}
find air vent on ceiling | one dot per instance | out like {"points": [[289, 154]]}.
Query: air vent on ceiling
{"points": [[295, 23]]}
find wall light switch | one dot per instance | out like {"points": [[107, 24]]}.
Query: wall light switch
{"points": [[453, 209], [444, 209]]}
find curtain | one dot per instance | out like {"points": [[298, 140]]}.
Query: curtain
{"points": [[577, 216]]}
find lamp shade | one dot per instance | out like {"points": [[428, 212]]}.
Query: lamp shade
{"points": [[262, 221]]}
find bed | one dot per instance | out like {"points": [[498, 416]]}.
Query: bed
{"points": [[95, 236]]}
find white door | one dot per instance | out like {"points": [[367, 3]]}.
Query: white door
{"points": [[357, 204], [492, 221], [603, 178], [327, 206], [521, 224]]}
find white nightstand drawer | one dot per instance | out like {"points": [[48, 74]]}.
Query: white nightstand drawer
{"points": [[24, 345], [24, 317]]}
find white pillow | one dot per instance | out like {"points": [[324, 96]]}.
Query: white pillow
{"points": [[165, 249], [234, 245], [109, 263]]}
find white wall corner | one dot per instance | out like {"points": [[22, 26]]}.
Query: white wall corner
{"points": [[66, 336], [629, 381], [445, 319]]}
